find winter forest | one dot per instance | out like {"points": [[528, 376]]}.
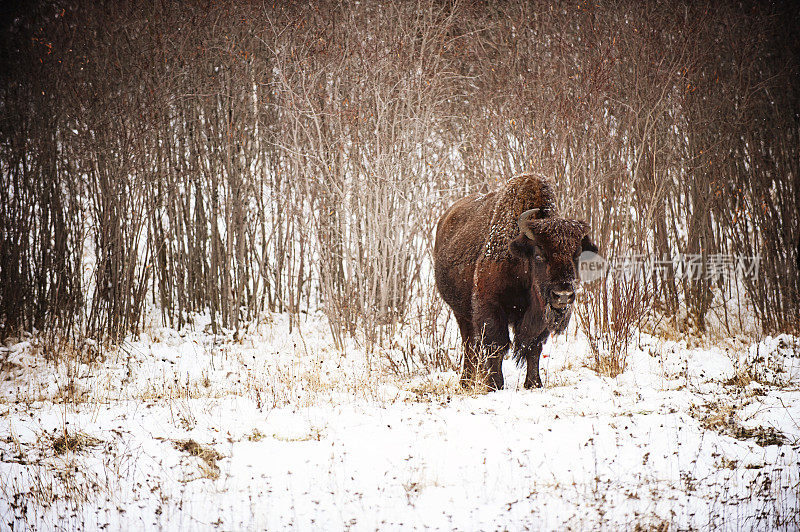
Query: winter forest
{"points": [[217, 296]]}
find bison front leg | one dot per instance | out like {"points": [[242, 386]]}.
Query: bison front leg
{"points": [[491, 328], [529, 348], [532, 379]]}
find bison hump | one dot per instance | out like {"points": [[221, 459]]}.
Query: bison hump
{"points": [[520, 193]]}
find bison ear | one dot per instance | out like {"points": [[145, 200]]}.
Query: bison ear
{"points": [[521, 246], [588, 245]]}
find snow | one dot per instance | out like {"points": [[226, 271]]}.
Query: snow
{"points": [[188, 430]]}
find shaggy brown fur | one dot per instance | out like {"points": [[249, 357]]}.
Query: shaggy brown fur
{"points": [[493, 276], [520, 193]]}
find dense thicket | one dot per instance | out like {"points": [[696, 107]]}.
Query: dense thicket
{"points": [[239, 157]]}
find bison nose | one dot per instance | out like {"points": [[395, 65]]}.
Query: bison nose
{"points": [[562, 298]]}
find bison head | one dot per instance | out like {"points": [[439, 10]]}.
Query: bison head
{"points": [[549, 248]]}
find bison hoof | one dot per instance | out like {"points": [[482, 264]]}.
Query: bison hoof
{"points": [[535, 384]]}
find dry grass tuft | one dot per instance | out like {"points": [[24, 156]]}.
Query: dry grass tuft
{"points": [[256, 435], [314, 434], [741, 379], [722, 418], [658, 525], [73, 443], [438, 389], [208, 456]]}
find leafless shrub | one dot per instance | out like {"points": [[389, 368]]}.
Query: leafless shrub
{"points": [[249, 157], [609, 312]]}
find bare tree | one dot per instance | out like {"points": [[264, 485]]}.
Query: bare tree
{"points": [[248, 157]]}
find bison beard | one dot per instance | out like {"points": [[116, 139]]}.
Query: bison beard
{"points": [[556, 319], [507, 260]]}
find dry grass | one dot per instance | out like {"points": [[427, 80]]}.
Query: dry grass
{"points": [[765, 367], [73, 443], [208, 457], [256, 435], [303, 380], [54, 469], [316, 433], [722, 418], [742, 378], [659, 525], [437, 389]]}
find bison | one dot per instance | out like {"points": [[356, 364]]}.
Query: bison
{"points": [[506, 259]]}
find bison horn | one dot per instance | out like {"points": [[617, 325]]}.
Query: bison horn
{"points": [[523, 222]]}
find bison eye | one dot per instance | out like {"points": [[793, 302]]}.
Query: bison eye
{"points": [[537, 255]]}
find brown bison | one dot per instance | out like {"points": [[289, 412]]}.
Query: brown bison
{"points": [[507, 259]]}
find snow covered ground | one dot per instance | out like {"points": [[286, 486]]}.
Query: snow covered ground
{"points": [[187, 430]]}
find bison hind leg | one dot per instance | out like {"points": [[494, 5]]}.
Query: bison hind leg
{"points": [[469, 371]]}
